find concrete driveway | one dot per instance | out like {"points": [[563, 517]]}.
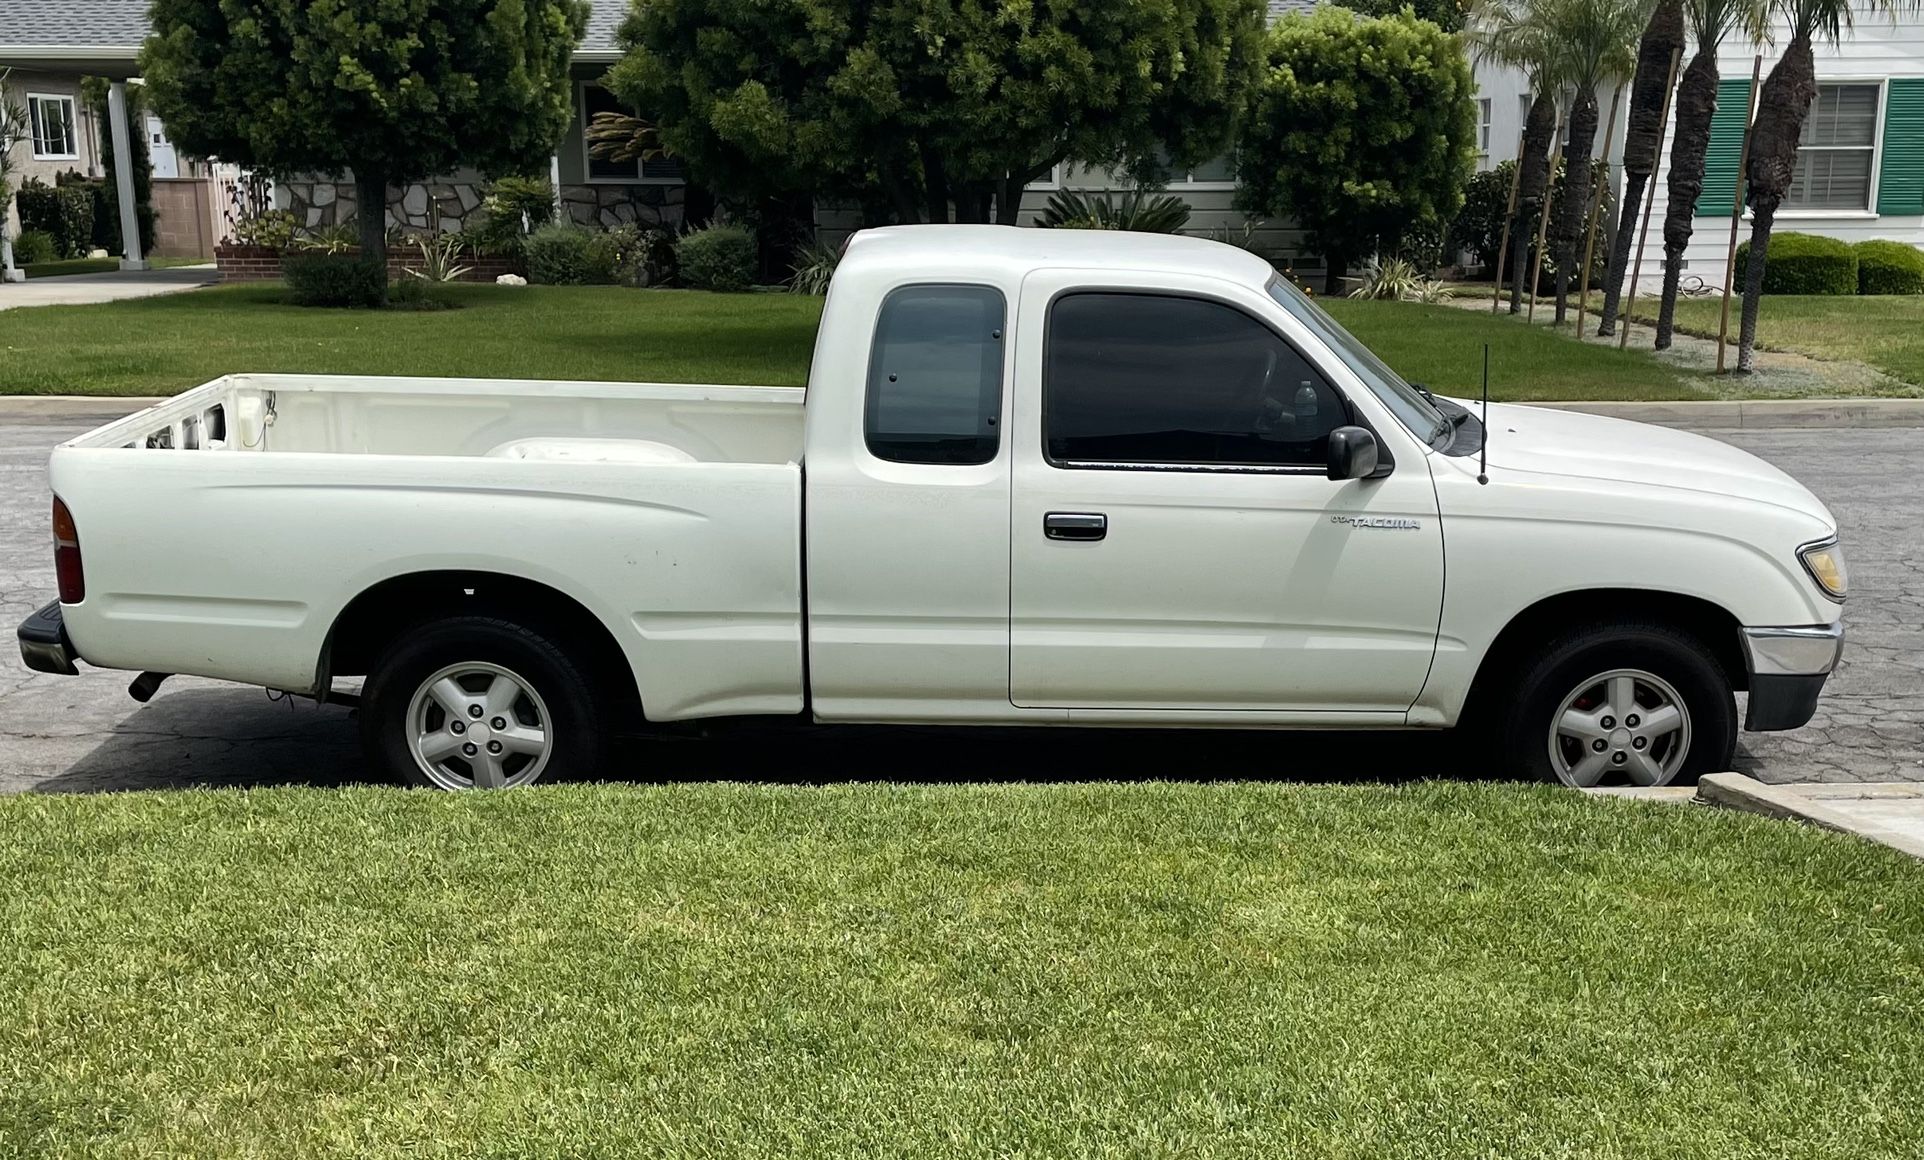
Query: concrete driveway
{"points": [[84, 733], [87, 289]]}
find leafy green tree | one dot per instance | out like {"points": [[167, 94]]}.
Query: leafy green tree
{"points": [[1445, 14], [914, 107], [395, 90], [1364, 130]]}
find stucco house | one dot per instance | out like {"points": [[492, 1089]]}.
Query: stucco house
{"points": [[1860, 164]]}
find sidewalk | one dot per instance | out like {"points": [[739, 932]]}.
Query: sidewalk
{"points": [[87, 289], [1888, 812]]}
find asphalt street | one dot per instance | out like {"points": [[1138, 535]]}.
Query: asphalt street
{"points": [[85, 734]]}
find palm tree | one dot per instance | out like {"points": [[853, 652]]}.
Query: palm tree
{"points": [[1663, 38], [1595, 42], [1782, 105], [1507, 32], [1710, 21]]}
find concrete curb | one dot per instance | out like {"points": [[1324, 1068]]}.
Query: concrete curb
{"points": [[49, 410], [1760, 413], [1815, 804]]}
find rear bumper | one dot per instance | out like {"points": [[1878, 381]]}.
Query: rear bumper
{"points": [[44, 645], [1788, 668]]}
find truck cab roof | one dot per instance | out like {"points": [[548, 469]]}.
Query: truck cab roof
{"points": [[1015, 251]]}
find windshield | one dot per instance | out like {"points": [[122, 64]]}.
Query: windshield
{"points": [[1410, 407]]}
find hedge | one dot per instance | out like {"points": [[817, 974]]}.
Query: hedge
{"points": [[336, 280], [1885, 267], [1804, 264], [718, 258], [64, 213]]}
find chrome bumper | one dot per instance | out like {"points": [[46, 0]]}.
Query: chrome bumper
{"points": [[1788, 667]]}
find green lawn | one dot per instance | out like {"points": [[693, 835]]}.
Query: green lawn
{"points": [[1885, 331], [716, 970], [101, 266], [164, 345]]}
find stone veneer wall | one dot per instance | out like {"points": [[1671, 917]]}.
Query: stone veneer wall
{"points": [[453, 206]]}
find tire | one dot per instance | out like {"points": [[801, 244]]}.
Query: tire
{"points": [[1580, 680], [540, 719]]}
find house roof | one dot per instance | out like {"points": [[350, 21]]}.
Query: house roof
{"points": [[1281, 8]]}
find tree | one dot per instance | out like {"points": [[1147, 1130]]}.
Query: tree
{"points": [[1508, 32], [1595, 40], [394, 90], [914, 107], [1363, 130], [1445, 14], [1710, 21], [1663, 38], [1782, 104]]}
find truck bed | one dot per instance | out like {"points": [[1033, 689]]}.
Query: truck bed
{"points": [[671, 513]]}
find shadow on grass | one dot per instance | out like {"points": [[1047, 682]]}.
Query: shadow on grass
{"points": [[194, 738]]}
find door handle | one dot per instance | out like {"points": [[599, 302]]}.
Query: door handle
{"points": [[1075, 525]]}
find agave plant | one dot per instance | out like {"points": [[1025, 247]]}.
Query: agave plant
{"points": [[814, 266], [438, 257], [1136, 211], [335, 239], [1394, 279], [1431, 291]]}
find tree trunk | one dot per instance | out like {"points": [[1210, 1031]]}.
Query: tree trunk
{"points": [[1577, 184], [1662, 37], [1696, 106], [1532, 183], [1782, 104], [1008, 200], [935, 185], [1334, 267], [370, 207]]}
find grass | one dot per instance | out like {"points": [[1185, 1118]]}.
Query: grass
{"points": [[992, 970], [65, 266], [1884, 331], [167, 344]]}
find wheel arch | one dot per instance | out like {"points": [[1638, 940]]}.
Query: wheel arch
{"points": [[1711, 623], [386, 610]]}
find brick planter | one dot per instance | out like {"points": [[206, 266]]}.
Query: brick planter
{"points": [[261, 264]]}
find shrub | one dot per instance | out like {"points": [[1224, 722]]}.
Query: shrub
{"points": [[273, 230], [33, 246], [1804, 264], [64, 213], [814, 267], [1137, 211], [1479, 226], [568, 255], [336, 280], [1394, 279], [717, 258], [335, 239], [1885, 267]]}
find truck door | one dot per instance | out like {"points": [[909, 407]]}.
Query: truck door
{"points": [[1175, 543]]}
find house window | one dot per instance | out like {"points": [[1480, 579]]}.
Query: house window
{"points": [[1049, 180], [1835, 152], [1215, 173], [652, 171], [55, 137], [1483, 127]]}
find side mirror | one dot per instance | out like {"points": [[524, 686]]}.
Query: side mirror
{"points": [[1352, 453]]}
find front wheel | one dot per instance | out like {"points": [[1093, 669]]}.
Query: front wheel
{"points": [[1627, 704], [479, 703]]}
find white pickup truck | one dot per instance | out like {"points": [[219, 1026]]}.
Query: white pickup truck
{"points": [[1042, 477]]}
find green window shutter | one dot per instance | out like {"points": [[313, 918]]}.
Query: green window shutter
{"points": [[1900, 178], [1726, 147]]}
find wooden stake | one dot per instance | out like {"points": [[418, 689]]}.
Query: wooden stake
{"points": [[1649, 200], [1543, 215], [1509, 219], [1596, 209], [1737, 209]]}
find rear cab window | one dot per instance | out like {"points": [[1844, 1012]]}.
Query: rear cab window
{"points": [[935, 375]]}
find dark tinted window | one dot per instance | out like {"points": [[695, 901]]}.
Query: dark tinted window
{"points": [[935, 375], [1142, 378]]}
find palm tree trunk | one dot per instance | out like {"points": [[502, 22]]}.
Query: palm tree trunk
{"points": [[1577, 181], [1533, 182], [1696, 107], [1662, 36], [1782, 104]]}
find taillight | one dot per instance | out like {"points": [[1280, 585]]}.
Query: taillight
{"points": [[66, 555]]}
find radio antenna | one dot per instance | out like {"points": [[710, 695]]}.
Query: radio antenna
{"points": [[1483, 460]]}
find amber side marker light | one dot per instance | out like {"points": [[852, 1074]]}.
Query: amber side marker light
{"points": [[66, 555]]}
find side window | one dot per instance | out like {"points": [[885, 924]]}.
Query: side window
{"points": [[935, 375], [1157, 379]]}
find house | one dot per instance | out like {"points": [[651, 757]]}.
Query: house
{"points": [[1860, 163]]}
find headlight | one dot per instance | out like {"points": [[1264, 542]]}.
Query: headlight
{"points": [[1825, 563]]}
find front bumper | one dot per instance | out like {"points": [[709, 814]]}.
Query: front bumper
{"points": [[1788, 668], [44, 645]]}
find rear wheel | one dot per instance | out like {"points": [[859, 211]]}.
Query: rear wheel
{"points": [[480, 703], [1623, 704]]}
